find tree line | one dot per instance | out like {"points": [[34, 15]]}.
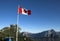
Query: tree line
{"points": [[11, 32]]}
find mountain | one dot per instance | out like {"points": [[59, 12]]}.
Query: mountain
{"points": [[27, 34], [41, 36]]}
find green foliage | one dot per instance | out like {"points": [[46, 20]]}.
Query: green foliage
{"points": [[11, 32]]}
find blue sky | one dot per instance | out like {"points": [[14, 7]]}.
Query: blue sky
{"points": [[45, 14]]}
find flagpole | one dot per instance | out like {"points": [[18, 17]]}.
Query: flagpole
{"points": [[17, 27]]}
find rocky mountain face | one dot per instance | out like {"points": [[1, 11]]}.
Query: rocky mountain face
{"points": [[51, 34]]}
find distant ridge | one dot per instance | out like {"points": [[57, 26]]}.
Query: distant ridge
{"points": [[49, 33]]}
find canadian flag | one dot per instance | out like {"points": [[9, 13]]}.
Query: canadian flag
{"points": [[23, 11]]}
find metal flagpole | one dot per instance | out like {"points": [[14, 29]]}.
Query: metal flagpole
{"points": [[17, 27]]}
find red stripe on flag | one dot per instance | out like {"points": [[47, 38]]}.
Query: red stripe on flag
{"points": [[29, 12], [19, 10]]}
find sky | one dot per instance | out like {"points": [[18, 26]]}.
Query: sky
{"points": [[45, 14]]}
